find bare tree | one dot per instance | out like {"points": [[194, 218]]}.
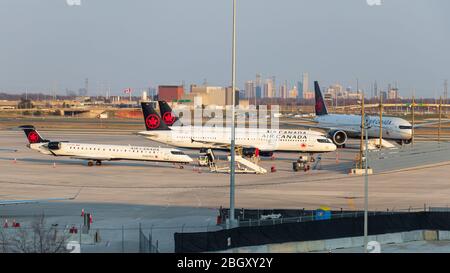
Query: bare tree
{"points": [[39, 238]]}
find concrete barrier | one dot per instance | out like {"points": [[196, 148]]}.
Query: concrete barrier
{"points": [[443, 235], [430, 235], [253, 249], [284, 248], [313, 246], [412, 236], [339, 243], [343, 243], [390, 238]]}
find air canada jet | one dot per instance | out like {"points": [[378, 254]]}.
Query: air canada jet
{"points": [[340, 127], [265, 140], [102, 152]]}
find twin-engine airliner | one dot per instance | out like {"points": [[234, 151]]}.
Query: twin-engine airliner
{"points": [[102, 152], [265, 140], [340, 127]]}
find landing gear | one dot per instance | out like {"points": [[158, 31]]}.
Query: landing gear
{"points": [[91, 163], [404, 142]]}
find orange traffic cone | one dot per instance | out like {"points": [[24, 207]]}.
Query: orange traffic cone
{"points": [[6, 223], [90, 219], [14, 223], [54, 164], [15, 160], [82, 212]]}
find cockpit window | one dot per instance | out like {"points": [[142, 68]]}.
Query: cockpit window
{"points": [[176, 152], [403, 127], [323, 140]]}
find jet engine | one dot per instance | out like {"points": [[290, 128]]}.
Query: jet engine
{"points": [[54, 145], [339, 137]]}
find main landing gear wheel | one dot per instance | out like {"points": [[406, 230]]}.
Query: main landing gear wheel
{"points": [[98, 163], [90, 163]]}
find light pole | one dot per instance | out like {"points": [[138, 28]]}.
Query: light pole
{"points": [[366, 191], [232, 220]]}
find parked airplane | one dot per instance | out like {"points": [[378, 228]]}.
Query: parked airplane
{"points": [[340, 127], [265, 140], [101, 152]]}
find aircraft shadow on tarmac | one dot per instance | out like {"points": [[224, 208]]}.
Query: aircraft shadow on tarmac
{"points": [[84, 163]]}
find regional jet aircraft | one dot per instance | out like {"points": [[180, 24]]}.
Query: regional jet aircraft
{"points": [[101, 152], [265, 140]]}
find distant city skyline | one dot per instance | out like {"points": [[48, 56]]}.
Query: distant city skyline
{"points": [[49, 45]]}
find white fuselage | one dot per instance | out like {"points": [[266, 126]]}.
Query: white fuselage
{"points": [[101, 152], [392, 127], [264, 139]]}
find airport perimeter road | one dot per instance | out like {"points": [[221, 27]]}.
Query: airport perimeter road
{"points": [[34, 175]]}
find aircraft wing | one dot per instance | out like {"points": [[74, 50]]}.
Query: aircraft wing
{"points": [[213, 143], [323, 127], [92, 158], [227, 146]]}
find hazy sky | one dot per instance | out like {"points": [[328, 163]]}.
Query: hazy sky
{"points": [[140, 43]]}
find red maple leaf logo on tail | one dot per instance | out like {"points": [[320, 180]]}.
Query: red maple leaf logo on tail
{"points": [[319, 106], [33, 137], [152, 121], [169, 118]]}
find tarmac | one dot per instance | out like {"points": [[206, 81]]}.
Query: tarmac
{"points": [[126, 193]]}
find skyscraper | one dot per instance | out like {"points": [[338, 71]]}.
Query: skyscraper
{"points": [[258, 86], [283, 91], [305, 83], [299, 90], [249, 89], [268, 89]]}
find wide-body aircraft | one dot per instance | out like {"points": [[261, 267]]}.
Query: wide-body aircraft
{"points": [[340, 127]]}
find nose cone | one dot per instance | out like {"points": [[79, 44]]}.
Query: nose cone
{"points": [[332, 147], [188, 159]]}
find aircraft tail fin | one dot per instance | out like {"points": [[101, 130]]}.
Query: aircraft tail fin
{"points": [[152, 120], [168, 116], [32, 134], [320, 107]]}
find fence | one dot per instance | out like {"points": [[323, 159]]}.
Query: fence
{"points": [[310, 231], [145, 243], [252, 218]]}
